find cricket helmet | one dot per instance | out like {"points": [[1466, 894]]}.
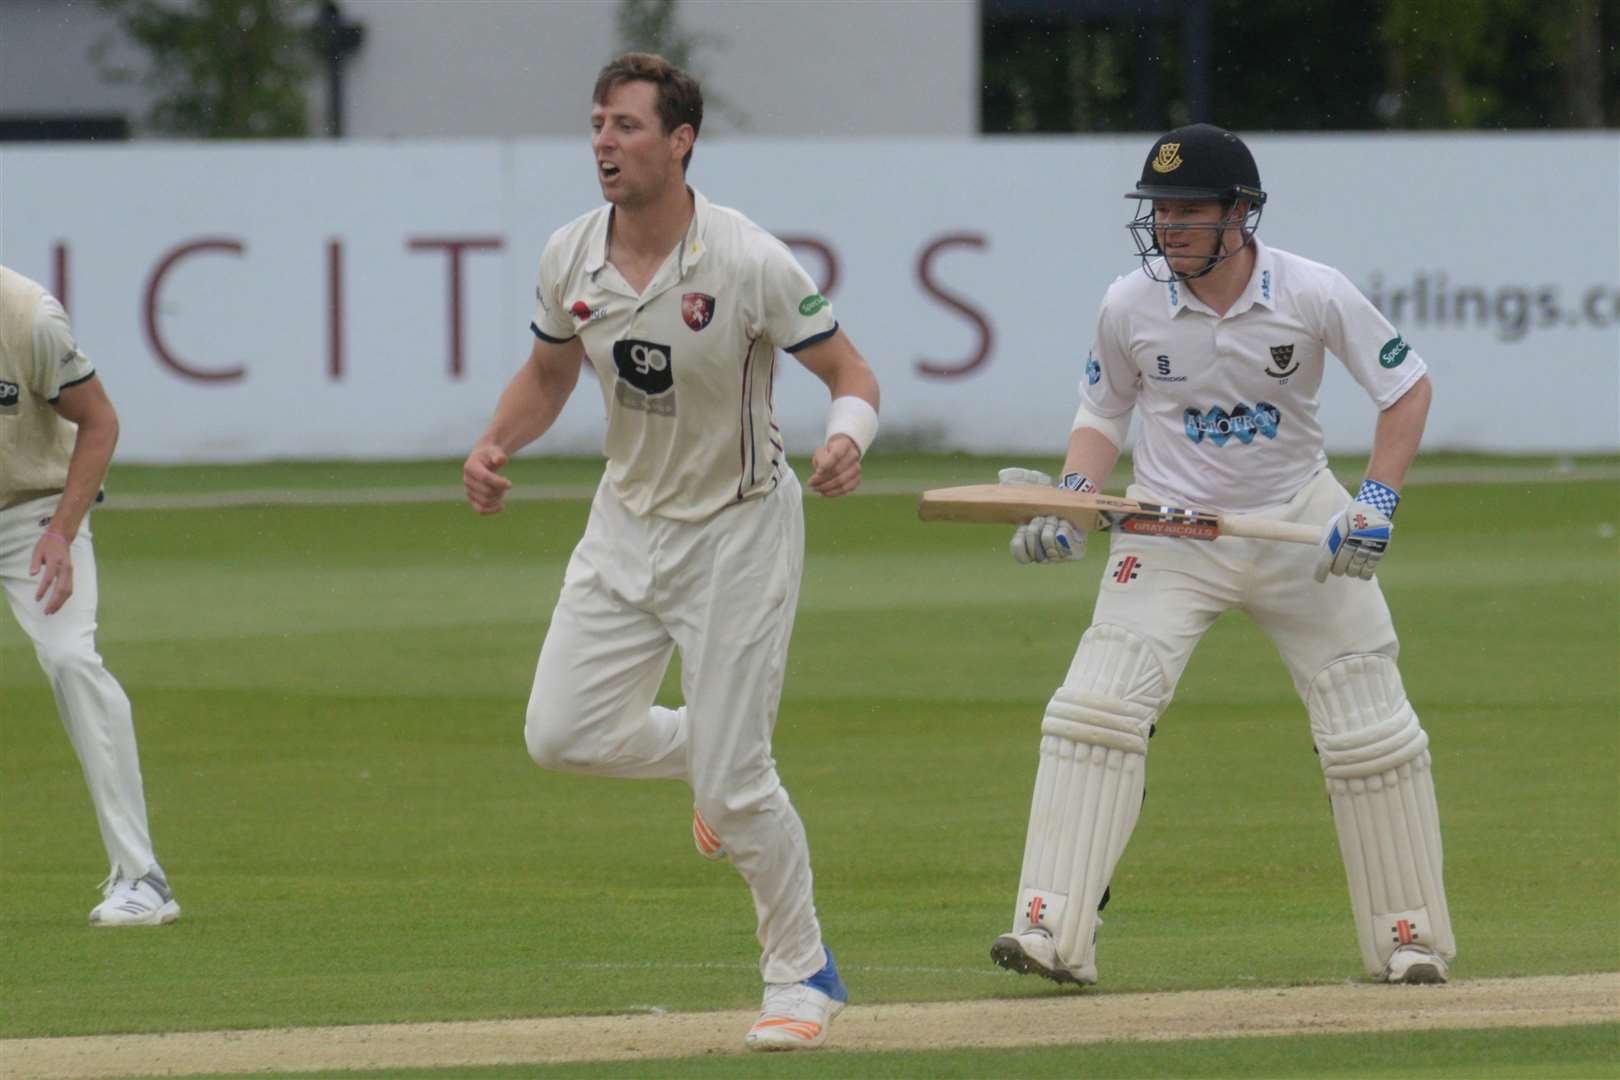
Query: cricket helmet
{"points": [[1199, 161]]}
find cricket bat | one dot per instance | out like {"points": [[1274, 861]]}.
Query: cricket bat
{"points": [[1014, 504]]}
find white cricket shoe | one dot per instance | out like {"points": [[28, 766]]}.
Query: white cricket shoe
{"points": [[146, 901], [705, 839], [796, 1016], [1413, 964], [1033, 952]]}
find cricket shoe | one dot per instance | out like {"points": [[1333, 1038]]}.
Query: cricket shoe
{"points": [[1033, 952], [796, 1016], [1415, 965], [145, 901], [706, 839]]}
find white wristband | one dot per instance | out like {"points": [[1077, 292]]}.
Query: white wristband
{"points": [[854, 417]]}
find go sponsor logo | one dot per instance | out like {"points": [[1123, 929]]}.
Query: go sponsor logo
{"points": [[645, 365]]}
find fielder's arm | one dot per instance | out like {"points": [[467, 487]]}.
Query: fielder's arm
{"points": [[528, 407], [87, 405], [836, 464]]}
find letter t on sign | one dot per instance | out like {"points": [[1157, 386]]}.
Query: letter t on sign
{"points": [[453, 247]]}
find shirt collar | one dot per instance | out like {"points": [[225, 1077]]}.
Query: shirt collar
{"points": [[1262, 287], [1262, 283], [693, 245]]}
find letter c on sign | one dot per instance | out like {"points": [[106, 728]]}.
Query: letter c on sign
{"points": [[155, 283], [950, 300]]}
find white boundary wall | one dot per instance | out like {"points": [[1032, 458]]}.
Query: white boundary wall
{"points": [[248, 302]]}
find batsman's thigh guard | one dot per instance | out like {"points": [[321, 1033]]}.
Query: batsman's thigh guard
{"points": [[1376, 760], [1088, 789]]}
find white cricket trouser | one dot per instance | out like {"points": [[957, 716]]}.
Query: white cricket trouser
{"points": [[724, 592], [1169, 592], [93, 707]]}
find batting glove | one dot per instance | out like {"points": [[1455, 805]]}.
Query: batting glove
{"points": [[1358, 536], [1046, 539]]}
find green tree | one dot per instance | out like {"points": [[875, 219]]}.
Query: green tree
{"points": [[222, 69], [654, 26]]}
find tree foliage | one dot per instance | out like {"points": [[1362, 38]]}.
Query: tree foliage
{"points": [[223, 69], [1347, 65]]}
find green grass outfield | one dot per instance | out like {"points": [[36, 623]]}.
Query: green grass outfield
{"points": [[330, 700]]}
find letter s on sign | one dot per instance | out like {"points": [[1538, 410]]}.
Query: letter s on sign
{"points": [[925, 262]]}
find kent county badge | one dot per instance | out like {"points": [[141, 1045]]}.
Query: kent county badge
{"points": [[697, 309]]}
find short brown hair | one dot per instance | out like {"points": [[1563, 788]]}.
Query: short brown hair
{"points": [[680, 101]]}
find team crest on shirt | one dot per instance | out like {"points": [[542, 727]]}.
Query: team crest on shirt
{"points": [[697, 309], [1283, 357]]}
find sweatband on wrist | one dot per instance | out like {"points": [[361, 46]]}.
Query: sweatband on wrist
{"points": [[854, 418], [1380, 497]]}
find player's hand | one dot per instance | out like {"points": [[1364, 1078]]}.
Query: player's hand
{"points": [[1044, 539], [52, 555], [836, 467], [1354, 541], [481, 476]]}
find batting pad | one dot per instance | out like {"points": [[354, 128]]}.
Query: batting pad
{"points": [[1376, 760], [1088, 789]]}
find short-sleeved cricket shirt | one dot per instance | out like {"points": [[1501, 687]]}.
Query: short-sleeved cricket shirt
{"points": [[687, 367], [39, 358], [1229, 402]]}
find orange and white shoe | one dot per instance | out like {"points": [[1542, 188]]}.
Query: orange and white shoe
{"points": [[796, 1016], [706, 839]]}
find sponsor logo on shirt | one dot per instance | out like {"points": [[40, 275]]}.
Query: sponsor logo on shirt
{"points": [[585, 313], [645, 365], [1242, 423], [1283, 357], [1162, 365], [1093, 370], [697, 309], [812, 304], [1126, 570], [10, 396], [1393, 354]]}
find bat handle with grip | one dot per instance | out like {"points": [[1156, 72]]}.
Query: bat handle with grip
{"points": [[1264, 528]]}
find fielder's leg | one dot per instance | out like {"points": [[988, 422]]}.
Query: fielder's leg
{"points": [[1375, 757], [591, 707], [1088, 793], [96, 713]]}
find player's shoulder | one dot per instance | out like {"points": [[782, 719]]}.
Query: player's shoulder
{"points": [[21, 289], [733, 234], [1134, 291], [1297, 273], [571, 241]]}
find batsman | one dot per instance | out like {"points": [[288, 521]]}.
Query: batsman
{"points": [[1220, 344]]}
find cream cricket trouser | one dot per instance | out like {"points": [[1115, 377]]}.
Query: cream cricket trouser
{"points": [[1169, 592], [724, 592], [93, 707]]}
